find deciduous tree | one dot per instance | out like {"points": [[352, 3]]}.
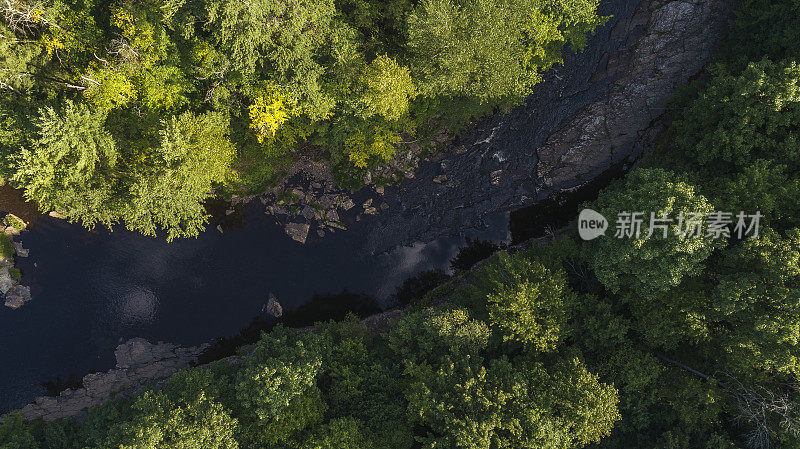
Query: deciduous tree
{"points": [[646, 265]]}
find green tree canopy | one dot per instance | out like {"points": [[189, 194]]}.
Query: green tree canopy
{"points": [[525, 300], [15, 435], [342, 433], [194, 155], [645, 265], [155, 422], [756, 303], [388, 89], [505, 404], [73, 167], [77, 169], [743, 117], [276, 391], [280, 39], [428, 337], [517, 41], [763, 28], [740, 137]]}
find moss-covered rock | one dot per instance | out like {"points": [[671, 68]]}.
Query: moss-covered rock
{"points": [[6, 248]]}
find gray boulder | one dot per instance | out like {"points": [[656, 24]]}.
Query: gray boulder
{"points": [[17, 296], [297, 231], [274, 308], [5, 280]]}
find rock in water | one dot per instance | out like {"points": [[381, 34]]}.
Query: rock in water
{"points": [[16, 222], [6, 282], [298, 231], [274, 308], [17, 296], [21, 251]]}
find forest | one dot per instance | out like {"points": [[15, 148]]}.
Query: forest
{"points": [[610, 343], [134, 112]]}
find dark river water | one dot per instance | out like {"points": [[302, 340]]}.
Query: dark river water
{"points": [[94, 289]]}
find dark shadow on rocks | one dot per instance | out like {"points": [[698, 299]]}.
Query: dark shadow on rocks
{"points": [[13, 201], [54, 387], [226, 216], [227, 346], [555, 212]]}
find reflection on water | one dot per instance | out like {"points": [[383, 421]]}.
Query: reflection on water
{"points": [[94, 289], [136, 307], [11, 200]]}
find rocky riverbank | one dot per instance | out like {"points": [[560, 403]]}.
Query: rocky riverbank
{"points": [[588, 115], [16, 294], [140, 364]]}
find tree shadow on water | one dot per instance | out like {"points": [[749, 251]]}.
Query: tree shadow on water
{"points": [[321, 307]]}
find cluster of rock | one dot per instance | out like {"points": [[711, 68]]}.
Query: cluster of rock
{"points": [[406, 160], [672, 50], [596, 111], [312, 200], [313, 204], [140, 364], [309, 199], [16, 294]]}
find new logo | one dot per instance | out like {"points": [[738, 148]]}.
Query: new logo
{"points": [[591, 224]]}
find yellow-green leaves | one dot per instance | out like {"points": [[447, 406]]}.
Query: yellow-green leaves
{"points": [[141, 70], [79, 169], [157, 421], [150, 90], [267, 114], [110, 89], [141, 29], [168, 193], [378, 144], [72, 166], [526, 301], [280, 41], [388, 89]]}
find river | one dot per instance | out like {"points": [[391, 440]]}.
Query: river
{"points": [[94, 289]]}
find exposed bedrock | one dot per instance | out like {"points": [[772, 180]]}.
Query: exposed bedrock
{"points": [[142, 365], [590, 113], [139, 363]]}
